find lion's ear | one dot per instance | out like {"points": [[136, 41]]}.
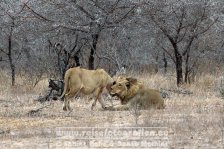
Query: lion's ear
{"points": [[128, 85], [132, 80]]}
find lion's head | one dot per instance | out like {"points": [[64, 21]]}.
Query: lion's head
{"points": [[125, 88]]}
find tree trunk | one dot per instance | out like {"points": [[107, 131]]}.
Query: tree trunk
{"points": [[93, 50], [76, 56], [179, 63], [179, 70], [12, 66], [187, 53], [157, 67], [186, 75], [91, 59], [165, 62], [77, 61], [62, 65], [186, 79]]}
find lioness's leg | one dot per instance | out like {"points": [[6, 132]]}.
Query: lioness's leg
{"points": [[65, 104], [73, 92], [98, 97]]}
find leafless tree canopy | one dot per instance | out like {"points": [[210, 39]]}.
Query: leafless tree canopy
{"points": [[46, 37]]}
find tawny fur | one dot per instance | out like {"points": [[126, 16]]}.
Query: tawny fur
{"points": [[79, 80], [131, 92]]}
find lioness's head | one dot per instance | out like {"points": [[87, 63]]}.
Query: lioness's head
{"points": [[124, 88]]}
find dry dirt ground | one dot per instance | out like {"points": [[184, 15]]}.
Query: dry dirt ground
{"points": [[190, 122]]}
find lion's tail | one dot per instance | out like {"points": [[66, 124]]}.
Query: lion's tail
{"points": [[66, 84]]}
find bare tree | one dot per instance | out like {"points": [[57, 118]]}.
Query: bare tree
{"points": [[181, 23], [103, 15], [11, 19], [68, 56], [88, 17], [40, 38]]}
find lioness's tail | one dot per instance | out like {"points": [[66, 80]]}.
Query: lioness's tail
{"points": [[66, 84]]}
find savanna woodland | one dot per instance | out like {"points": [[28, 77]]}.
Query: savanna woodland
{"points": [[174, 46]]}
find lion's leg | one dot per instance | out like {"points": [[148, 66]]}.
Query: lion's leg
{"points": [[98, 97], [111, 101], [119, 108], [101, 101], [160, 105], [110, 98]]}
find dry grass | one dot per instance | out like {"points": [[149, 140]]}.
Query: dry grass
{"points": [[194, 121]]}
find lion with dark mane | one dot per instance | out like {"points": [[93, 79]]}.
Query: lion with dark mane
{"points": [[131, 92]]}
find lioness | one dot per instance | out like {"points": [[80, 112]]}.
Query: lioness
{"points": [[131, 92], [85, 81]]}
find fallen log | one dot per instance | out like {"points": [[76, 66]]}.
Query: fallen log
{"points": [[54, 92]]}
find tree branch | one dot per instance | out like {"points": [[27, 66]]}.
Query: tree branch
{"points": [[170, 55], [74, 29], [3, 51], [180, 26], [86, 12], [37, 14], [207, 28], [188, 47], [125, 16], [95, 3], [76, 43]]}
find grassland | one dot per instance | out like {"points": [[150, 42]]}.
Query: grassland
{"points": [[192, 121]]}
